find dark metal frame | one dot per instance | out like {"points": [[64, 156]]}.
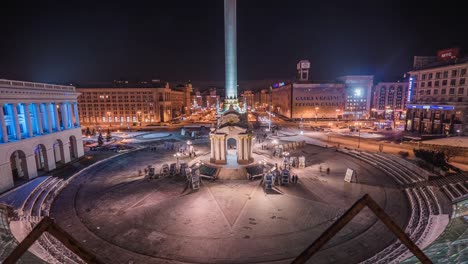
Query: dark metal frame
{"points": [[47, 224], [366, 200]]}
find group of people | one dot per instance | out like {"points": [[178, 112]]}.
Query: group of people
{"points": [[261, 138]]}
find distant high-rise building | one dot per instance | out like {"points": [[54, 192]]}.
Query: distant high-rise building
{"points": [[133, 104], [358, 94], [389, 100], [438, 96]]}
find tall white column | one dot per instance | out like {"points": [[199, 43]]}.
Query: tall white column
{"points": [[39, 118], [3, 124], [230, 45], [246, 148], [57, 121], [27, 116], [71, 122], [49, 117], [16, 120], [64, 113], [77, 116]]}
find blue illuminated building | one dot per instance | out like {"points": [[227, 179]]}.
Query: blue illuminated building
{"points": [[40, 129]]}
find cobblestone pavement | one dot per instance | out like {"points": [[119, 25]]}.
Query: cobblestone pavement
{"points": [[125, 218]]}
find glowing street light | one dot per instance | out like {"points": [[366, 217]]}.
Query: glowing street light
{"points": [[139, 117], [109, 118], [316, 108]]}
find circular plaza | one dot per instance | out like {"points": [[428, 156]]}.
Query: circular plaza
{"points": [[125, 217]]}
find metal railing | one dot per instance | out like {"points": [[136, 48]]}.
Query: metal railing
{"points": [[33, 85]]}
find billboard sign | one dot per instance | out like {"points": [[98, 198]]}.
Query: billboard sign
{"points": [[317, 100], [448, 54]]}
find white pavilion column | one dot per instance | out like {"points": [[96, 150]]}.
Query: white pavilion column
{"points": [[27, 114], [57, 121], [3, 124], [239, 148], [15, 117], [249, 145], [49, 117], [246, 148], [223, 148], [39, 118], [218, 148], [212, 154], [77, 116]]}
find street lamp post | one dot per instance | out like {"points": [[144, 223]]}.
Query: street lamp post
{"points": [[359, 135], [316, 108], [177, 156], [190, 148]]}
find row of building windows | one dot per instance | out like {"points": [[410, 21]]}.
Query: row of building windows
{"points": [[453, 82], [444, 74], [461, 91], [434, 99]]}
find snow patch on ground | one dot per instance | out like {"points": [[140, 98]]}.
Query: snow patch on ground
{"points": [[450, 141]]}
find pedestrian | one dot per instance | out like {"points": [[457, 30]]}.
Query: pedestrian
{"points": [[297, 178]]}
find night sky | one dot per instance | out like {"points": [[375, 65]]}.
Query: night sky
{"points": [[62, 42]]}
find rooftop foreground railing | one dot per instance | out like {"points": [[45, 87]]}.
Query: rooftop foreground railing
{"points": [[48, 225], [33, 85], [339, 224]]}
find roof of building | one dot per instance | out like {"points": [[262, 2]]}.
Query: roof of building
{"points": [[124, 84], [442, 64]]}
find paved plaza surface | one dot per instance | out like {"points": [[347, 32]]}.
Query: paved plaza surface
{"points": [[124, 218]]}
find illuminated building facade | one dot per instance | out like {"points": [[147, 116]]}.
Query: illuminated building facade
{"points": [[262, 99], [389, 100], [309, 101], [133, 106], [438, 96], [358, 94], [40, 130], [249, 98]]}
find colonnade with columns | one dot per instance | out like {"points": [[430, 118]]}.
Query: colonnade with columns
{"points": [[27, 120], [219, 147]]}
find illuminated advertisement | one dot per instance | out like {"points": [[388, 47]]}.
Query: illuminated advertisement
{"points": [[448, 54], [318, 100], [410, 88]]}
